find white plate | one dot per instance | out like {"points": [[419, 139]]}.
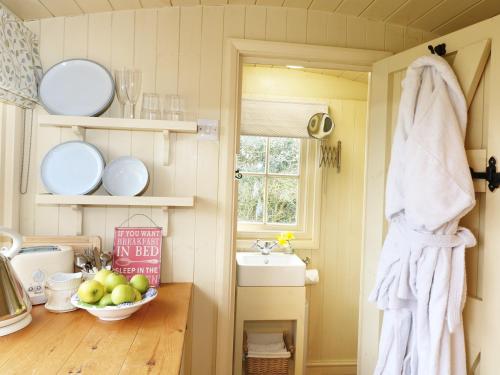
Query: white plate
{"points": [[72, 168], [115, 312], [126, 176], [77, 87]]}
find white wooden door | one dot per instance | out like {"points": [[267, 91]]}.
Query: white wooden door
{"points": [[478, 71]]}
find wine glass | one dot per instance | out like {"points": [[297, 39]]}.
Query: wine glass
{"points": [[133, 88], [121, 91]]}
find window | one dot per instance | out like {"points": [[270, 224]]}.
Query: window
{"points": [[268, 192], [276, 192]]}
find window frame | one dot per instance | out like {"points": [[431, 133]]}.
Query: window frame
{"points": [[306, 229]]}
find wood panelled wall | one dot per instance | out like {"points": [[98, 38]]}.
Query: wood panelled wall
{"points": [[179, 51], [11, 129], [476, 139], [333, 303]]}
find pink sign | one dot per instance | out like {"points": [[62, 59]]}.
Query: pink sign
{"points": [[138, 251]]}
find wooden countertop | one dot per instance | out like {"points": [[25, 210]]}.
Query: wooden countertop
{"points": [[149, 342]]}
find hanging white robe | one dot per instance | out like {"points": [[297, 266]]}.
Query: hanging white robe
{"points": [[421, 277]]}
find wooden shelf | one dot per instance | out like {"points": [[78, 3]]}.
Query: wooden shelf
{"points": [[108, 200], [109, 123], [77, 201], [80, 123]]}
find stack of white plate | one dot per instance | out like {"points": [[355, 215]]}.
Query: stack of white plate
{"points": [[72, 168], [77, 87]]}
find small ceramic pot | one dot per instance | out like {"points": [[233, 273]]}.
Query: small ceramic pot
{"points": [[59, 289]]}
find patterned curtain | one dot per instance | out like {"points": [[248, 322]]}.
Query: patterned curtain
{"points": [[20, 67]]}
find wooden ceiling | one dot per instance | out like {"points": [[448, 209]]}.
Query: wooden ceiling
{"points": [[361, 77], [438, 16]]}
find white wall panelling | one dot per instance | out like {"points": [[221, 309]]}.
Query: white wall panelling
{"points": [[11, 130], [179, 50]]}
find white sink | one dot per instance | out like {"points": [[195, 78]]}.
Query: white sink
{"points": [[275, 269]]}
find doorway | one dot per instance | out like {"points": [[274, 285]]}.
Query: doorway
{"points": [[237, 54], [283, 188]]}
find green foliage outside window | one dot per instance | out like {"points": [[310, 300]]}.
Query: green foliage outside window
{"points": [[268, 191]]}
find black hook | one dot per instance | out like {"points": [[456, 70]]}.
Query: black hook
{"points": [[489, 175], [439, 49], [238, 175]]}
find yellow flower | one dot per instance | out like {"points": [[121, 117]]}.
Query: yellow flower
{"points": [[284, 238]]}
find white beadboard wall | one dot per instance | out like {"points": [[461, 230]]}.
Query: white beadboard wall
{"points": [[179, 51], [11, 128]]}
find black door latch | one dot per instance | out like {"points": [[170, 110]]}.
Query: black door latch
{"points": [[238, 175], [489, 175]]}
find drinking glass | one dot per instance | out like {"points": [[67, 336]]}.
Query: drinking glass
{"points": [[173, 108], [133, 88], [121, 91], [150, 106]]}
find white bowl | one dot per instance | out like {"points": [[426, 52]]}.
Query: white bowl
{"points": [[126, 176], [119, 312]]}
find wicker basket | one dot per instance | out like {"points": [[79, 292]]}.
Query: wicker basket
{"points": [[268, 366]]}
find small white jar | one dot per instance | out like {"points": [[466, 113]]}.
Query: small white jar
{"points": [[59, 289]]}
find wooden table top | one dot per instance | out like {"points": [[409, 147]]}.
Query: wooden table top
{"points": [[149, 342]]}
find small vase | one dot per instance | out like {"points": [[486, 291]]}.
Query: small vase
{"points": [[288, 249]]}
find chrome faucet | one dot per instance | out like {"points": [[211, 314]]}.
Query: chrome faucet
{"points": [[265, 247]]}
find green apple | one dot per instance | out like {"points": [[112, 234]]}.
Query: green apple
{"points": [[101, 275], [138, 295], [90, 291], [105, 300], [140, 282], [113, 280], [123, 293]]}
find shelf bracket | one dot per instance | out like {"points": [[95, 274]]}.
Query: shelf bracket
{"points": [[165, 221], [79, 131], [166, 147], [78, 211]]}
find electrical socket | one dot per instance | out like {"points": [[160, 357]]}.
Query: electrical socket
{"points": [[208, 130]]}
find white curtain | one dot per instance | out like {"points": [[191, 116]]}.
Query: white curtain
{"points": [[277, 118]]}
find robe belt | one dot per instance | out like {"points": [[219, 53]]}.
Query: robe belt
{"points": [[419, 241], [463, 237]]}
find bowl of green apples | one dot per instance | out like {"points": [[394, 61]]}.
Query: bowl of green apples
{"points": [[110, 296]]}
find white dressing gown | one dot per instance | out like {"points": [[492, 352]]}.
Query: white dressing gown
{"points": [[421, 277]]}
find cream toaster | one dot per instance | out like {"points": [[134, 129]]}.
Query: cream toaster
{"points": [[33, 266]]}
